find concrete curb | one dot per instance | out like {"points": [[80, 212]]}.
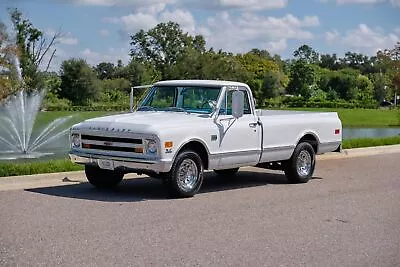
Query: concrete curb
{"points": [[70, 178], [361, 152]]}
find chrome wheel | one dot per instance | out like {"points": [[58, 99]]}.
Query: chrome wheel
{"points": [[187, 175], [303, 163]]}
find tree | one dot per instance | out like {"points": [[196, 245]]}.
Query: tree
{"points": [[208, 65], [264, 74], [260, 53], [257, 64], [329, 62], [105, 70], [33, 48], [365, 88], [344, 83], [394, 54], [163, 45], [379, 84], [389, 59], [115, 90], [273, 84], [302, 77], [363, 63], [138, 73], [5, 66], [396, 83], [307, 54], [78, 82]]}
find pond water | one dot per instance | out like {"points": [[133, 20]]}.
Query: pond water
{"points": [[351, 133]]}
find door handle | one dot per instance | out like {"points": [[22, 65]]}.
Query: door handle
{"points": [[253, 124]]}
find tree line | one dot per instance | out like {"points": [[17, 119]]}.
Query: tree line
{"points": [[167, 52]]}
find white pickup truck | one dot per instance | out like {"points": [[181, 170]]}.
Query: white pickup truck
{"points": [[184, 127]]}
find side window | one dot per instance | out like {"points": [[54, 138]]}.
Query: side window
{"points": [[197, 98], [226, 107]]}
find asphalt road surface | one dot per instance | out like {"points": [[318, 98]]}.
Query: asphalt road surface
{"points": [[348, 215]]}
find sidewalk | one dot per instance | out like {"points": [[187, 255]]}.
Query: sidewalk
{"points": [[361, 152], [68, 178]]}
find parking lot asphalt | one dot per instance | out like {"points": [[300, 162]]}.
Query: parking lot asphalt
{"points": [[348, 215]]}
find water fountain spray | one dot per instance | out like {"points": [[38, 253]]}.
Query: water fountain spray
{"points": [[17, 119]]}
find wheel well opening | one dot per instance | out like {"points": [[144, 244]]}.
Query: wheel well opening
{"points": [[199, 149], [312, 140]]}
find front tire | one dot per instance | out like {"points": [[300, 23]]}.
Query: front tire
{"points": [[300, 167], [186, 175], [102, 178]]}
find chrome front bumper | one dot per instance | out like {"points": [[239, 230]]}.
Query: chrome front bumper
{"points": [[127, 164]]}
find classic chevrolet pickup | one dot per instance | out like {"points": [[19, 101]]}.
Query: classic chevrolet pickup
{"points": [[184, 127]]}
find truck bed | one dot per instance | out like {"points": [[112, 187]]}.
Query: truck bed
{"points": [[282, 130]]}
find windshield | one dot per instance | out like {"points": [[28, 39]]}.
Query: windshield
{"points": [[192, 99]]}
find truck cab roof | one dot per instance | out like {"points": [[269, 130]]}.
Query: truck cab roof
{"points": [[199, 83]]}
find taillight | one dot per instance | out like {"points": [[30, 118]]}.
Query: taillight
{"points": [[337, 131]]}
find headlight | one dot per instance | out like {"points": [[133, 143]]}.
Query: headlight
{"points": [[151, 146], [76, 141]]}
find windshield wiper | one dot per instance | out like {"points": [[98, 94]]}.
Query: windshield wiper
{"points": [[146, 108], [178, 109]]}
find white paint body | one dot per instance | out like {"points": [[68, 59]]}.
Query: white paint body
{"points": [[259, 137]]}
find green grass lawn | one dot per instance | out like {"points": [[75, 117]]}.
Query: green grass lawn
{"points": [[364, 117], [46, 117]]}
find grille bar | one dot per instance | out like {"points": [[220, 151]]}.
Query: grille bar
{"points": [[111, 148], [111, 139]]}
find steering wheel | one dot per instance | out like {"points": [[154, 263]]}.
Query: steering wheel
{"points": [[211, 103]]}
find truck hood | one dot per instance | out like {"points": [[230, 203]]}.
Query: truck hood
{"points": [[141, 121]]}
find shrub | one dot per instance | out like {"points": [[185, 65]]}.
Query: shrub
{"points": [[299, 102]]}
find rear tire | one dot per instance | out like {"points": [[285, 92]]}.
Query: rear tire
{"points": [[300, 167], [186, 175], [103, 178], [227, 173]]}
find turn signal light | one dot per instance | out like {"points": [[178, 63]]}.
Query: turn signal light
{"points": [[138, 149], [86, 145], [168, 144]]}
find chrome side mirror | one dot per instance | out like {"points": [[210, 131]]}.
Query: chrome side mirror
{"points": [[237, 104]]}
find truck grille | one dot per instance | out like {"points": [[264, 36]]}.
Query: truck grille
{"points": [[108, 143], [112, 139]]}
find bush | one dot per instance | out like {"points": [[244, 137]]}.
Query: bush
{"points": [[299, 102], [54, 103], [93, 107], [13, 169]]}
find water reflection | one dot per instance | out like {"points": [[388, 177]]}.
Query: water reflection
{"points": [[351, 133]]}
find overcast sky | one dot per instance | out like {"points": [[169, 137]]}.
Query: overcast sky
{"points": [[99, 30]]}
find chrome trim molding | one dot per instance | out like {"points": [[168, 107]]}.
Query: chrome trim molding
{"points": [[277, 148], [234, 153], [330, 143]]}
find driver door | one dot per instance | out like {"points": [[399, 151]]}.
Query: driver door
{"points": [[239, 139]]}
